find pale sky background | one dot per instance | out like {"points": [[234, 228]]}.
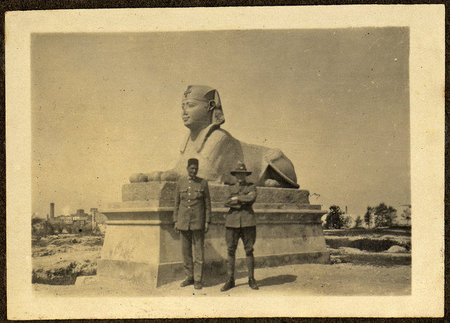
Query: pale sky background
{"points": [[335, 101]]}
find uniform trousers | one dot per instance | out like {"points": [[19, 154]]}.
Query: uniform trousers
{"points": [[248, 236], [193, 269]]}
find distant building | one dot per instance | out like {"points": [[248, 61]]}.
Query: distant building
{"points": [[52, 211], [79, 220], [66, 219]]}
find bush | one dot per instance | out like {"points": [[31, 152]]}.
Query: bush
{"points": [[40, 228], [384, 215], [358, 222], [334, 218]]}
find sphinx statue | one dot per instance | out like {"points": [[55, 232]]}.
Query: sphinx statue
{"points": [[217, 150]]}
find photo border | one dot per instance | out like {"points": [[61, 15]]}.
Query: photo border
{"points": [[427, 72]]}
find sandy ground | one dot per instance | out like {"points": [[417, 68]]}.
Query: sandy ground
{"points": [[306, 279], [356, 269]]}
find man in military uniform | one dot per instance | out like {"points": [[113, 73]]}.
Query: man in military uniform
{"points": [[191, 216], [240, 223]]}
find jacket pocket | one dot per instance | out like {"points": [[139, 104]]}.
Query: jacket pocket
{"points": [[199, 193]]}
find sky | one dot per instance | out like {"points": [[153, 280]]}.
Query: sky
{"points": [[335, 101]]}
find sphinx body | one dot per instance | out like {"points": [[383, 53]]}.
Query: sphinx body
{"points": [[218, 151]]}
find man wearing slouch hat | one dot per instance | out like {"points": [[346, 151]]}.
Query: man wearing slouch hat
{"points": [[240, 223]]}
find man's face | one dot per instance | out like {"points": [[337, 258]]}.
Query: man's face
{"points": [[192, 170], [241, 177], [195, 113]]}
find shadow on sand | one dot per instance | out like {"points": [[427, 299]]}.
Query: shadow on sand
{"points": [[269, 281], [210, 280], [274, 280], [277, 280]]}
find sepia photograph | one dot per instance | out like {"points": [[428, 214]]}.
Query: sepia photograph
{"points": [[173, 160]]}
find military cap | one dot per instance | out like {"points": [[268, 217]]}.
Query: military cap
{"points": [[240, 168], [192, 161]]}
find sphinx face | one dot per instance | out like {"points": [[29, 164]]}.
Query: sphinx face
{"points": [[195, 113]]}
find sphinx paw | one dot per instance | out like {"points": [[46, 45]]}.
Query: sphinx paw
{"points": [[169, 176], [154, 176], [272, 183], [138, 177]]}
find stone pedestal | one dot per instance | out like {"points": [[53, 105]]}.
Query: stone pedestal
{"points": [[141, 246]]}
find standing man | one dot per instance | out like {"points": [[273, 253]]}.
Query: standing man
{"points": [[191, 216], [240, 224]]}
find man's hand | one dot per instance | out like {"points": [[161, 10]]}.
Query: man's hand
{"points": [[206, 227], [233, 202], [175, 228]]}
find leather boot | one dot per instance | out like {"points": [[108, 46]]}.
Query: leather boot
{"points": [[198, 285], [251, 270], [188, 281], [228, 285], [230, 267], [230, 271]]}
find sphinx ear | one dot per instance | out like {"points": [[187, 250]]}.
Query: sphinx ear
{"points": [[212, 105]]}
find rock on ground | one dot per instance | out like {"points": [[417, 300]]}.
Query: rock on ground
{"points": [[397, 249]]}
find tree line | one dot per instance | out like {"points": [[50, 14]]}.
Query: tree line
{"points": [[381, 215]]}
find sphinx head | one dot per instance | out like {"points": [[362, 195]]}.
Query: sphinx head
{"points": [[201, 107]]}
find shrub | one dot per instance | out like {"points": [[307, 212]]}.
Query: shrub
{"points": [[334, 218]]}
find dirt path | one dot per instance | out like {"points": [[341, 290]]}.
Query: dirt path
{"points": [[308, 279]]}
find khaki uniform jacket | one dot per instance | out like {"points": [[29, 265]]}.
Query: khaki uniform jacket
{"points": [[192, 204], [241, 212]]}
